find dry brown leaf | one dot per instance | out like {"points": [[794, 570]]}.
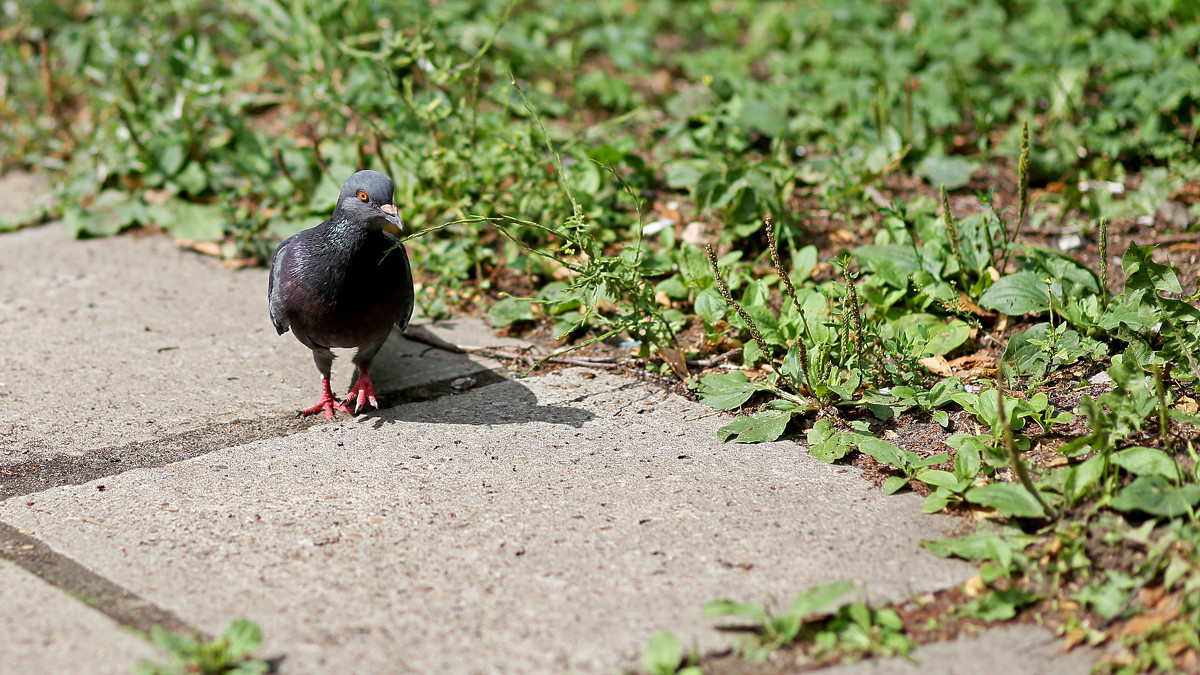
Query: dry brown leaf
{"points": [[1152, 597], [1176, 648], [937, 365], [967, 305], [842, 236], [1073, 638], [239, 263], [1056, 460], [1053, 546], [1188, 663], [975, 586], [676, 360], [1188, 405], [203, 247], [972, 360], [1144, 623]]}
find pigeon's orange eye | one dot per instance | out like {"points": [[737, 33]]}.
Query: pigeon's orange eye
{"points": [[362, 195]]}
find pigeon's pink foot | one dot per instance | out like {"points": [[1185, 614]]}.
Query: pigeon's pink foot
{"points": [[328, 403], [362, 391]]}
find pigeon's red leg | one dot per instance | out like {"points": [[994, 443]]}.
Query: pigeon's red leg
{"points": [[328, 402], [362, 391]]}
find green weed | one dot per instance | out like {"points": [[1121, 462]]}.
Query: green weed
{"points": [[229, 654]]}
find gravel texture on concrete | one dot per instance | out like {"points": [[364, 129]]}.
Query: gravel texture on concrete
{"points": [[549, 524], [47, 631]]}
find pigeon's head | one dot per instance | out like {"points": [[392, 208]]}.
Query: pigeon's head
{"points": [[367, 198]]}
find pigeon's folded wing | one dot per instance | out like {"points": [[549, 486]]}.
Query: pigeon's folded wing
{"points": [[274, 292]]}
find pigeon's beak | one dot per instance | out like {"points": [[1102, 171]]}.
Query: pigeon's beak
{"points": [[393, 216]]}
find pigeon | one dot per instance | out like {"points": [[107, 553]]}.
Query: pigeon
{"points": [[344, 283]]}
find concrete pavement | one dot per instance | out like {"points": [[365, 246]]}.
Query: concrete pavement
{"points": [[477, 524]]}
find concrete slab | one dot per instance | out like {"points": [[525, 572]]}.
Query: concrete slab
{"points": [[48, 631], [116, 341], [1004, 650], [542, 525]]}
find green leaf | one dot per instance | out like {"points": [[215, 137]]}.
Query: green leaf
{"points": [[724, 607], [792, 366], [1143, 271], [826, 443], [1010, 499], [949, 170], [726, 391], [682, 175], [967, 461], [170, 160], [893, 262], [973, 547], [999, 605], [188, 220], [1157, 496], [193, 179], [1017, 294], [508, 311], [884, 452], [937, 501], [763, 427], [662, 654], [820, 598], [244, 636], [1082, 476], [710, 306], [111, 212], [945, 479], [803, 262], [763, 117], [1147, 462], [940, 336], [893, 484]]}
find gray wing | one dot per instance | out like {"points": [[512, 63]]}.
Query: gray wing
{"points": [[275, 303]]}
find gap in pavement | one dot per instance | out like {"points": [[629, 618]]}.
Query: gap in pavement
{"points": [[36, 475], [114, 601], [125, 607]]}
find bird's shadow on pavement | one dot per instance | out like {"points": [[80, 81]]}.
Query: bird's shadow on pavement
{"points": [[451, 388], [495, 402]]}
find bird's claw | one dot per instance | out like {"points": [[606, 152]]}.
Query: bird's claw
{"points": [[362, 391], [327, 403]]}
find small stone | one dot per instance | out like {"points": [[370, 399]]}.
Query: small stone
{"points": [[1069, 242], [695, 234], [1174, 215], [1100, 378]]}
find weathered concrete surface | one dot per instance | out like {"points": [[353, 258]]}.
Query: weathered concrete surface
{"points": [[542, 525], [1004, 650], [114, 341], [47, 631]]}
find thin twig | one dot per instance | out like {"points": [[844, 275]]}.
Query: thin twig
{"points": [[714, 360]]}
